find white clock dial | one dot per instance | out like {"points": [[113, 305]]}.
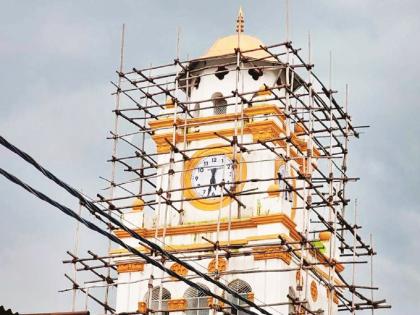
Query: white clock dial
{"points": [[209, 173]]}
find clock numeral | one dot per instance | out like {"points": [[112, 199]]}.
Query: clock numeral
{"points": [[201, 169], [214, 159]]}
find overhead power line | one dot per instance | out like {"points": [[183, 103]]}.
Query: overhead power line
{"points": [[95, 209], [116, 240]]}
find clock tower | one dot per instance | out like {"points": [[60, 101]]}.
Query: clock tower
{"points": [[231, 168]]}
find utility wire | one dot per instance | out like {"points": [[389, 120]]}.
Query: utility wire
{"points": [[115, 239], [153, 246]]}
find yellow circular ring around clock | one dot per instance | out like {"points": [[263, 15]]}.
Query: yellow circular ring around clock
{"points": [[278, 164], [205, 203]]}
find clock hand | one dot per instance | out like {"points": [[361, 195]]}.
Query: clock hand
{"points": [[212, 180]]}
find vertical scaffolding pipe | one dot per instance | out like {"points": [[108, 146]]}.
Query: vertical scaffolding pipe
{"points": [[307, 192], [371, 270], [331, 211], [171, 160], [353, 271], [343, 182], [75, 251], [114, 147], [142, 141]]}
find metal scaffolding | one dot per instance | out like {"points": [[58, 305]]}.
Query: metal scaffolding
{"points": [[154, 116]]}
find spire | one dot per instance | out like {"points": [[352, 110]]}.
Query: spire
{"points": [[240, 21]]}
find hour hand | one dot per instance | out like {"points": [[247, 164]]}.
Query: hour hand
{"points": [[212, 180]]}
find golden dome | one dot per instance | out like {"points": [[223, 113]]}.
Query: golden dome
{"points": [[138, 204], [227, 45], [273, 190], [325, 236]]}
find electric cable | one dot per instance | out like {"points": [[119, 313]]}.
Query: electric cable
{"points": [[93, 207], [115, 239]]}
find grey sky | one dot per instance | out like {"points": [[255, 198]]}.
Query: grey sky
{"points": [[57, 58]]}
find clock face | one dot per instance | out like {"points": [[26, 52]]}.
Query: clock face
{"points": [[209, 172]]}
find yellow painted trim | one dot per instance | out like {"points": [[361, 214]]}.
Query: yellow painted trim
{"points": [[210, 247], [261, 109], [190, 165], [203, 246], [264, 109], [265, 130], [205, 135], [272, 252], [236, 224], [130, 267], [177, 305], [254, 128], [301, 144], [162, 145], [299, 128], [165, 123], [214, 119]]}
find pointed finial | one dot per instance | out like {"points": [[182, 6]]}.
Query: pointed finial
{"points": [[240, 21]]}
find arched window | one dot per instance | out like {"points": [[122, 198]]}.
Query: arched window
{"points": [[196, 83], [242, 288], [221, 72], [219, 103], [255, 73], [196, 110], [196, 299], [159, 301]]}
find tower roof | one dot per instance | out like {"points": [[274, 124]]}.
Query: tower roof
{"points": [[227, 46]]}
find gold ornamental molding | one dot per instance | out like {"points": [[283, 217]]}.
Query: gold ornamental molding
{"points": [[262, 109], [221, 265], [130, 267], [177, 305], [261, 130], [272, 252], [266, 130], [252, 222], [179, 270]]}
